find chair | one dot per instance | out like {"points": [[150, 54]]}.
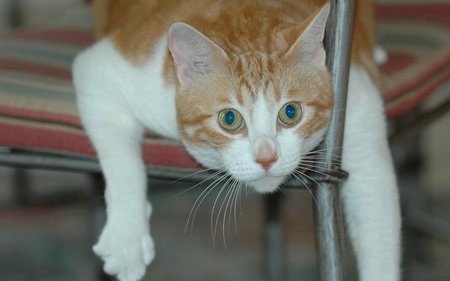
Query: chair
{"points": [[39, 127]]}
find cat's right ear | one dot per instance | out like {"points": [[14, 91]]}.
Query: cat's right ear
{"points": [[308, 49], [194, 54]]}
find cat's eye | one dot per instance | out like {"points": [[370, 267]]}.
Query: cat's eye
{"points": [[230, 119], [290, 113]]}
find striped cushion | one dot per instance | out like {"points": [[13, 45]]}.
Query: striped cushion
{"points": [[418, 42], [37, 100]]}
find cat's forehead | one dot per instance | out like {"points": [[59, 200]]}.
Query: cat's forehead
{"points": [[255, 74]]}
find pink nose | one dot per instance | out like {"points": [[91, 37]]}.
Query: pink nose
{"points": [[266, 163]]}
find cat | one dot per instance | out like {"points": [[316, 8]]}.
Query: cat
{"points": [[243, 85]]}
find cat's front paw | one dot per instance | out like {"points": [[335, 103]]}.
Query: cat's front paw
{"points": [[125, 252]]}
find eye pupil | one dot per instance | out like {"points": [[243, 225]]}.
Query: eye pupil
{"points": [[290, 111], [230, 117]]}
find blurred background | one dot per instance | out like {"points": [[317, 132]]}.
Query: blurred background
{"points": [[49, 235]]}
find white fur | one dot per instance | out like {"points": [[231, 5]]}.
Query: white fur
{"points": [[370, 195], [117, 100]]}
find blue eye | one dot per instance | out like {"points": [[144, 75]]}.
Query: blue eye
{"points": [[230, 117], [290, 111]]}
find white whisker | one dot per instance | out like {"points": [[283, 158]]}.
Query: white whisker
{"points": [[214, 207], [225, 212], [298, 176], [312, 168], [197, 204], [198, 172], [237, 197], [318, 172], [305, 175], [194, 186]]}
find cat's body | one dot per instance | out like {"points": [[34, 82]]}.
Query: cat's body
{"points": [[262, 61]]}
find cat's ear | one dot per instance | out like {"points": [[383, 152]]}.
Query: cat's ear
{"points": [[194, 54], [308, 49]]}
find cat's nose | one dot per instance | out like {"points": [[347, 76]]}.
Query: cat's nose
{"points": [[266, 155], [266, 163]]}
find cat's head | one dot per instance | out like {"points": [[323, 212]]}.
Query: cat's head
{"points": [[254, 115]]}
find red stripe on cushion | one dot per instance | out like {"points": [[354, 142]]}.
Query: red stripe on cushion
{"points": [[34, 68], [155, 154], [168, 155], [76, 37], [409, 104], [40, 115], [31, 137], [417, 81], [429, 12]]}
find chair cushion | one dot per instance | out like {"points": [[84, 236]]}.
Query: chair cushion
{"points": [[416, 37], [37, 99]]}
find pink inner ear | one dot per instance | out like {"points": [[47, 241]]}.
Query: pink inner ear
{"points": [[308, 49], [193, 53], [317, 57]]}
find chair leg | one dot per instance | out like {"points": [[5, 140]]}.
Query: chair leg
{"points": [[22, 192], [15, 13], [273, 239], [327, 217], [327, 208]]}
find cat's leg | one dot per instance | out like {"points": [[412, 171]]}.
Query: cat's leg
{"points": [[125, 244], [102, 89], [370, 196]]}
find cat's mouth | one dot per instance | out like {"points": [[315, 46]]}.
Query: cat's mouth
{"points": [[266, 184]]}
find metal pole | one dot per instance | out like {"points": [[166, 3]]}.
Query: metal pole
{"points": [[327, 208]]}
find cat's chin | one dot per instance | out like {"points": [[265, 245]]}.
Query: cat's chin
{"points": [[266, 184]]}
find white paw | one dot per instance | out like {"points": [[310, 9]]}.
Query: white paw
{"points": [[125, 252]]}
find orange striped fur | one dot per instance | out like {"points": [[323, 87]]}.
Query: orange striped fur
{"points": [[138, 24], [255, 34]]}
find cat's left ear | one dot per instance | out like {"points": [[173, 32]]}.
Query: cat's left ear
{"points": [[194, 54], [308, 49]]}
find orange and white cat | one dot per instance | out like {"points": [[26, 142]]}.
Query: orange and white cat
{"points": [[243, 85]]}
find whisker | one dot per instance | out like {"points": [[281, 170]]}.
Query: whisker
{"points": [[284, 191], [323, 152], [243, 188], [194, 186], [238, 193], [305, 175], [220, 211], [214, 207], [225, 212], [321, 157], [312, 169], [312, 161], [197, 172], [325, 149], [233, 194], [298, 176], [318, 172], [197, 204]]}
